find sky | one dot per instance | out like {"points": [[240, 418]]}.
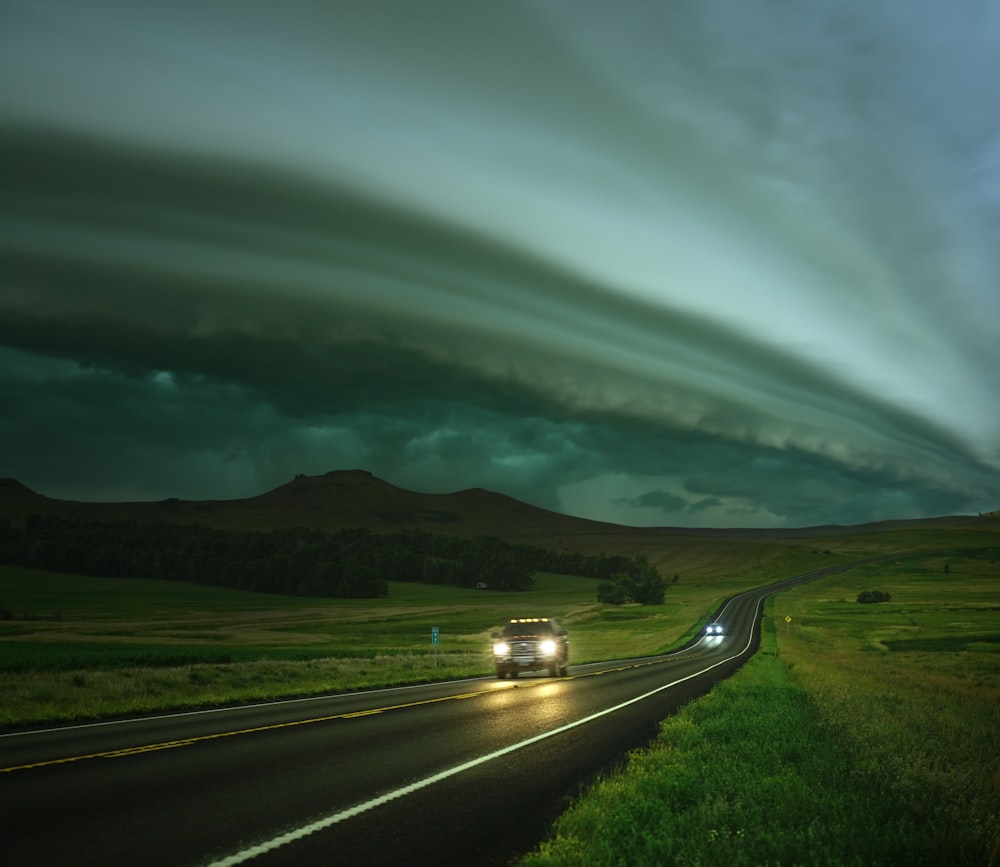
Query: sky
{"points": [[730, 263]]}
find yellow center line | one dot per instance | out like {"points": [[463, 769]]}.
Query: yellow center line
{"points": [[184, 742]]}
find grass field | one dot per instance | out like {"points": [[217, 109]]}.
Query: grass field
{"points": [[81, 648], [860, 734]]}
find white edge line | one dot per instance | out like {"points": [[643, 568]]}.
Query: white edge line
{"points": [[302, 699], [231, 708], [350, 812], [773, 588], [299, 699]]}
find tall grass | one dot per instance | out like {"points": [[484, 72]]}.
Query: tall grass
{"points": [[746, 776], [828, 747], [90, 693], [912, 688], [860, 734], [82, 648]]}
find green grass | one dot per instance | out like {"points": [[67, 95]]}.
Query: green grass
{"points": [[83, 648], [746, 776], [912, 686], [861, 734], [831, 746]]}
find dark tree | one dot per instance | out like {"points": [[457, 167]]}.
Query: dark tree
{"points": [[869, 596]]}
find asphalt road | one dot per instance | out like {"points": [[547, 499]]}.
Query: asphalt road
{"points": [[464, 772]]}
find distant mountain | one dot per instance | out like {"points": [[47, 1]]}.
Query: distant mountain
{"points": [[356, 498], [338, 499]]}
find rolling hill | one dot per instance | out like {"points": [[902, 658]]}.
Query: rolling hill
{"points": [[356, 498], [335, 500]]}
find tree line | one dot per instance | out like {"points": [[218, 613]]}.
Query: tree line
{"points": [[351, 563]]}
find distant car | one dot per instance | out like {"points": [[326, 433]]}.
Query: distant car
{"points": [[531, 644], [714, 629]]}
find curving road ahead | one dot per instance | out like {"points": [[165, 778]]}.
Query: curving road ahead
{"points": [[456, 773]]}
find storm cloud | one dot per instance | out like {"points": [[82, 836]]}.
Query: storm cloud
{"points": [[700, 264]]}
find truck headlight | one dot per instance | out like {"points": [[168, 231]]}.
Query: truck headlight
{"points": [[548, 647], [500, 649]]}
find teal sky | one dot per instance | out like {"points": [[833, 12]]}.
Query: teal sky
{"points": [[726, 263]]}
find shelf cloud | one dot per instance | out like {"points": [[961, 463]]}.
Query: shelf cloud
{"points": [[727, 264]]}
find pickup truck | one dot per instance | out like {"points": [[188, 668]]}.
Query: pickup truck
{"points": [[531, 644]]}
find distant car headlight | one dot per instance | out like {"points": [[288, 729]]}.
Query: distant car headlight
{"points": [[548, 647], [501, 649]]}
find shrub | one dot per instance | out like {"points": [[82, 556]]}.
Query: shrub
{"points": [[610, 593], [866, 596]]}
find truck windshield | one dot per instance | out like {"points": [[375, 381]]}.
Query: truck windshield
{"points": [[514, 630]]}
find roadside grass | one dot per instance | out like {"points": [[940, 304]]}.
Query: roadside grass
{"points": [[747, 775], [912, 686], [83, 648], [845, 740], [861, 734]]}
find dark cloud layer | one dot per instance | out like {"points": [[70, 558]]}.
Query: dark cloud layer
{"points": [[651, 298]]}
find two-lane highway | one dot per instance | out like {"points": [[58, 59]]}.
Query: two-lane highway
{"points": [[462, 772]]}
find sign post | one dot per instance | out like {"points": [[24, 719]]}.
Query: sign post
{"points": [[435, 634], [788, 622]]}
